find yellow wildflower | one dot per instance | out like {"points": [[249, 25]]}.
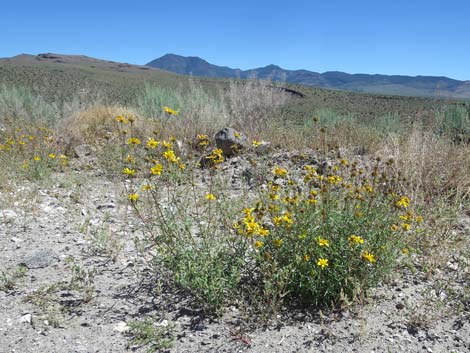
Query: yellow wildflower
{"points": [[152, 143], [211, 197], [334, 179], [147, 187], [278, 242], [37, 158], [368, 256], [258, 244], [323, 242], [157, 169], [306, 258], [282, 172], [51, 155], [355, 239], [170, 111], [170, 156], [404, 202], [216, 156], [256, 143], [406, 226], [133, 197], [121, 119], [322, 262], [129, 171], [133, 141]]}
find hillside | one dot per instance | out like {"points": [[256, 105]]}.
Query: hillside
{"points": [[426, 86], [61, 78]]}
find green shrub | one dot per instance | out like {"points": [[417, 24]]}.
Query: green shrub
{"points": [[455, 123], [21, 104], [328, 235], [314, 236]]}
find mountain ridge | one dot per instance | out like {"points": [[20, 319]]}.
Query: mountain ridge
{"points": [[420, 85]]}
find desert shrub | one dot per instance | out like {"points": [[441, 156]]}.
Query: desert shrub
{"points": [[152, 99], [95, 124], [313, 237], [254, 106], [429, 166], [185, 224], [454, 122], [386, 124], [325, 234], [193, 110], [21, 104]]}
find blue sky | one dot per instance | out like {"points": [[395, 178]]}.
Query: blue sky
{"points": [[411, 37]]}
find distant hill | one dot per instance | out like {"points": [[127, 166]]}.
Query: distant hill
{"points": [[425, 86], [63, 78]]}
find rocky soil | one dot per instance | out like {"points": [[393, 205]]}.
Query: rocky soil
{"points": [[72, 281]]}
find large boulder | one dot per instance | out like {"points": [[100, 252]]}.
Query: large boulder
{"points": [[231, 141]]}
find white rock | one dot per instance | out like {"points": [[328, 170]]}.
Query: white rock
{"points": [[121, 326], [163, 323], [8, 215], [26, 319]]}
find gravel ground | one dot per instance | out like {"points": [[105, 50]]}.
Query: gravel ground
{"points": [[66, 288]]}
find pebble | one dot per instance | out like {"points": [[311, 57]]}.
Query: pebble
{"points": [[8, 215], [121, 326], [400, 306], [26, 319]]}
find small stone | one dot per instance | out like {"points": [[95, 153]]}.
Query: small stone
{"points": [[452, 266], [106, 205], [163, 323], [8, 215], [400, 306], [26, 319], [121, 326]]}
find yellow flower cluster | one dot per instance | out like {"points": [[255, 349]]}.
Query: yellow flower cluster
{"points": [[403, 202], [249, 226], [281, 172], [170, 111], [216, 156], [203, 140]]}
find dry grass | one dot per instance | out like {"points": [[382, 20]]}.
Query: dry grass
{"points": [[93, 125]]}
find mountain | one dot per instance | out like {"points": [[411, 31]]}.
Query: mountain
{"points": [[67, 80], [426, 86]]}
